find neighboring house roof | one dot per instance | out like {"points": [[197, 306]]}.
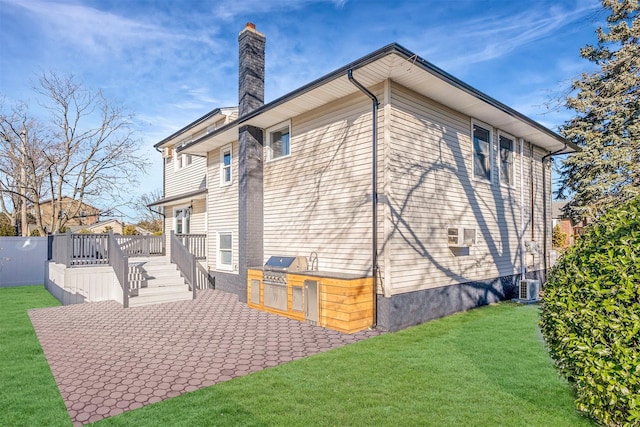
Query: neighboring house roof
{"points": [[557, 209], [180, 198], [99, 227], [403, 67], [66, 200]]}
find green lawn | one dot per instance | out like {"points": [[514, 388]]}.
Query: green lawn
{"points": [[28, 393], [486, 367]]}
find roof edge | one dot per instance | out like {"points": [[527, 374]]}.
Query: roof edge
{"points": [[193, 124], [373, 56], [178, 197]]}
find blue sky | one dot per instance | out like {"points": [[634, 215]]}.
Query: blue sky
{"points": [[171, 61]]}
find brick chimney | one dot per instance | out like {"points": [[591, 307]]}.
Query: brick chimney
{"points": [[251, 72], [250, 161]]}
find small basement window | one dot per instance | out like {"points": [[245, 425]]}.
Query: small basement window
{"points": [[225, 250]]}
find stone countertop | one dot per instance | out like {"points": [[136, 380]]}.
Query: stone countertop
{"points": [[323, 274]]}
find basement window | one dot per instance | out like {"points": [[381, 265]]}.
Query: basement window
{"points": [[225, 251], [279, 141]]}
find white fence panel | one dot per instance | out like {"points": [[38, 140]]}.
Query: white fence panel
{"points": [[22, 260]]}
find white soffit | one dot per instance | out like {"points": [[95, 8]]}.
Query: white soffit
{"points": [[407, 72]]}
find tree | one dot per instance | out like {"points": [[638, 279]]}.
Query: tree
{"points": [[6, 228], [149, 219], [607, 123], [558, 237], [85, 150], [21, 162]]}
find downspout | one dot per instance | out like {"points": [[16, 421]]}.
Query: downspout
{"points": [[544, 201], [523, 264], [374, 194], [164, 185]]}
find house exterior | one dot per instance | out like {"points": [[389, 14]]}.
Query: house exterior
{"points": [[114, 225], [185, 175], [457, 217], [568, 226], [78, 213]]}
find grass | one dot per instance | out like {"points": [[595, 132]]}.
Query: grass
{"points": [[486, 367], [28, 393]]}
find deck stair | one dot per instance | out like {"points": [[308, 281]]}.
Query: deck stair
{"points": [[155, 280]]}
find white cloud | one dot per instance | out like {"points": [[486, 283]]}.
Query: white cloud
{"points": [[489, 37]]}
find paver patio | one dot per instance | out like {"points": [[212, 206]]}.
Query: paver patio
{"points": [[107, 359]]}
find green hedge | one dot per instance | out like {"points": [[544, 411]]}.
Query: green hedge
{"points": [[591, 317]]}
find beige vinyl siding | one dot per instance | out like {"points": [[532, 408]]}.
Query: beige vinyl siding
{"points": [[222, 206], [189, 178], [319, 198], [431, 188], [198, 219]]}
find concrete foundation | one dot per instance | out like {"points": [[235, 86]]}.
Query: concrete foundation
{"points": [[413, 308]]}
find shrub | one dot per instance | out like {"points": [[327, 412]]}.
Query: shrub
{"points": [[130, 230], [7, 229], [591, 317]]}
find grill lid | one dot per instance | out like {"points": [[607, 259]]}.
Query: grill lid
{"points": [[286, 263]]}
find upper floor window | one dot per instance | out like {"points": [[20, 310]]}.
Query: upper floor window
{"points": [[278, 141], [181, 160], [506, 160], [177, 164], [481, 152], [225, 165]]}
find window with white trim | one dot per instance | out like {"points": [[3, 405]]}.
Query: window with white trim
{"points": [[182, 220], [279, 141], [225, 251], [177, 163], [506, 154], [225, 165], [482, 148]]}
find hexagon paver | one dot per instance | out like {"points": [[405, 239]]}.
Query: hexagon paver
{"points": [[107, 359]]}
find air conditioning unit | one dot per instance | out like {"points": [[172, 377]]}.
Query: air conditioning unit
{"points": [[529, 290], [458, 237], [532, 247], [167, 152]]}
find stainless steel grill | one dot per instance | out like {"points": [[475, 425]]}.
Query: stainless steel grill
{"points": [[274, 279], [276, 268]]}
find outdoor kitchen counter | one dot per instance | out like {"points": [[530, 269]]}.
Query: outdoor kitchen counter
{"points": [[325, 274], [339, 301]]}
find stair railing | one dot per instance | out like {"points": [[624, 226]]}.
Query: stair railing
{"points": [[120, 264], [185, 261]]}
